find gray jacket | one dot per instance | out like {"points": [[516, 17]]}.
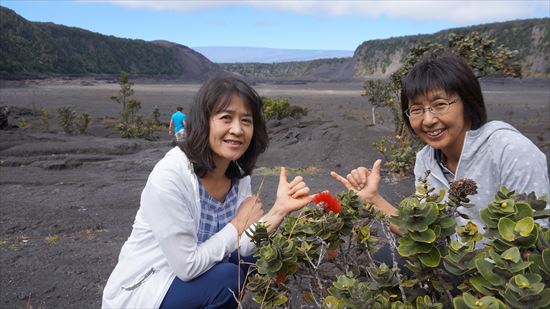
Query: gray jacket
{"points": [[494, 155]]}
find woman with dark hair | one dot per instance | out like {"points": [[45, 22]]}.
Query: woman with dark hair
{"points": [[442, 104], [190, 228]]}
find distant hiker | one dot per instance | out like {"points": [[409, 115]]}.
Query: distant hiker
{"points": [[177, 124], [442, 103], [196, 206]]}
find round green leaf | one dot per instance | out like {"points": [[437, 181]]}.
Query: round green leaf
{"points": [[512, 254], [469, 300], [506, 229], [546, 258], [486, 270], [490, 302], [447, 222], [408, 247], [481, 285], [487, 219], [525, 226], [427, 236], [430, 259], [523, 211], [521, 282], [459, 303], [280, 300], [268, 253]]}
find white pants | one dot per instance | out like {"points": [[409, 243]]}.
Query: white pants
{"points": [[180, 135]]}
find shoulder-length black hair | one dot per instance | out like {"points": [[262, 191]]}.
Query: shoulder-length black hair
{"points": [[214, 96], [452, 74]]}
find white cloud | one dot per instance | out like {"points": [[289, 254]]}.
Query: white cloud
{"points": [[464, 11]]}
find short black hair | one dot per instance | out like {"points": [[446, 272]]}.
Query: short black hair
{"points": [[215, 95], [444, 70], [179, 108]]}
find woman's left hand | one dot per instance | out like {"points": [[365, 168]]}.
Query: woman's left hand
{"points": [[291, 196]]}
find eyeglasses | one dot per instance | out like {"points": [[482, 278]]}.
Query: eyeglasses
{"points": [[437, 108]]}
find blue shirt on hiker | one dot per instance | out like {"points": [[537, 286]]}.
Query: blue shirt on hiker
{"points": [[178, 118]]}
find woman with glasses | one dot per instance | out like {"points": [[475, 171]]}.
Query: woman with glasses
{"points": [[442, 104]]}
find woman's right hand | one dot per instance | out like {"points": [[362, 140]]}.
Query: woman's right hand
{"points": [[362, 181], [365, 184], [250, 211]]}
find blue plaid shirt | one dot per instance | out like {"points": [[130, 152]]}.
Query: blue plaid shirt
{"points": [[449, 176], [215, 214]]}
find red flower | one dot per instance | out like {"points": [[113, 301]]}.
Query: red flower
{"points": [[327, 201], [280, 278], [331, 255]]}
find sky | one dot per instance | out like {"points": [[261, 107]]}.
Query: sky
{"points": [[313, 25]]}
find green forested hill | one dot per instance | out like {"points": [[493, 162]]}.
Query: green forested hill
{"points": [[380, 58], [531, 38], [34, 47]]}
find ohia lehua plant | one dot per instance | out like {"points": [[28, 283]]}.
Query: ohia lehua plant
{"points": [[329, 257]]}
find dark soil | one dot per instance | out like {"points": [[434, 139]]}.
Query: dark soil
{"points": [[68, 201]]}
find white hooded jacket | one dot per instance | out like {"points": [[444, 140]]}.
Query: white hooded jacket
{"points": [[163, 243], [494, 155]]}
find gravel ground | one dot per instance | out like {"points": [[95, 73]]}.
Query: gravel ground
{"points": [[68, 202]]}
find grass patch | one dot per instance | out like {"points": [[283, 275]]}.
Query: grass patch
{"points": [[52, 239], [91, 233]]}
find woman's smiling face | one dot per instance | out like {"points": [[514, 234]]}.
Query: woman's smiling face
{"points": [[445, 132], [231, 131]]}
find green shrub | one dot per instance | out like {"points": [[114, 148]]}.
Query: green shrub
{"points": [[280, 108], [155, 116], [449, 265], [22, 123], [130, 123], [124, 93], [66, 118], [400, 156], [137, 128], [44, 119], [83, 122]]}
